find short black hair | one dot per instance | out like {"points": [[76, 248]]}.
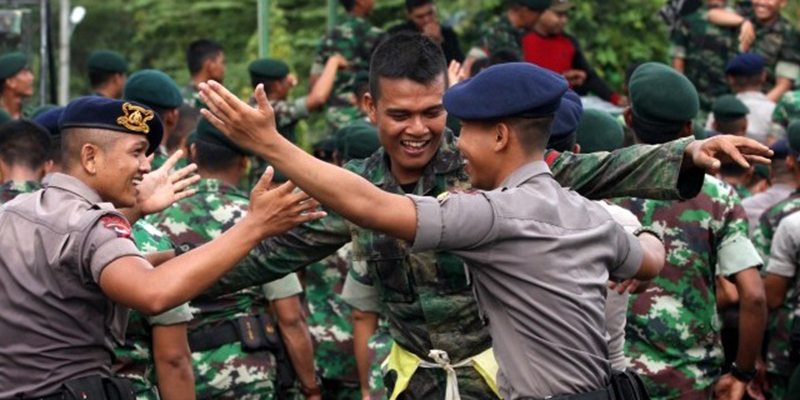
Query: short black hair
{"points": [[747, 80], [199, 51], [99, 77], [348, 4], [2, 85], [406, 56], [503, 56], [256, 80], [532, 133], [214, 158], [733, 169], [479, 65], [412, 4], [730, 126], [25, 144], [657, 133], [566, 143]]}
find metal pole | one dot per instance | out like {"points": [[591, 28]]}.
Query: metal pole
{"points": [[63, 52], [332, 7], [263, 28], [43, 66]]}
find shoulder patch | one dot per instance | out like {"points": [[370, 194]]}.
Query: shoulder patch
{"points": [[117, 224]]}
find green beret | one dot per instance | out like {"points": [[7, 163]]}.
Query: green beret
{"points": [[356, 141], [207, 133], [762, 171], [661, 95], [107, 60], [268, 68], [793, 135], [11, 64], [599, 131], [536, 5], [4, 116], [728, 108], [153, 88]]}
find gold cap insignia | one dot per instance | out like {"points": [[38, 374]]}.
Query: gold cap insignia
{"points": [[135, 118]]}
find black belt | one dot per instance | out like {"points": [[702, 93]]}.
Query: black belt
{"points": [[213, 338]]}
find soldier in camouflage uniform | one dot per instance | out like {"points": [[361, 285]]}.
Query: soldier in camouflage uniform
{"points": [[354, 38], [24, 152], [231, 367], [786, 111], [701, 50], [156, 346], [206, 60], [673, 333], [507, 31], [16, 84], [427, 296]]}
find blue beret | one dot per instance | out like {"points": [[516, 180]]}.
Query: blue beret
{"points": [[568, 116], [114, 115], [49, 120], [507, 90], [747, 64], [780, 148]]}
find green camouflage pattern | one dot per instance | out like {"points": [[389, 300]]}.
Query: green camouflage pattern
{"points": [[768, 223], [379, 345], [287, 115], [355, 39], [787, 109], [501, 34], [226, 371], [427, 297], [776, 42], [12, 189], [673, 331], [191, 96], [706, 49]]}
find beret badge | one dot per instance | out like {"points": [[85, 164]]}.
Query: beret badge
{"points": [[135, 118]]}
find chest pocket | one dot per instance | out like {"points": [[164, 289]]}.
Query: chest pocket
{"points": [[388, 261], [452, 274]]}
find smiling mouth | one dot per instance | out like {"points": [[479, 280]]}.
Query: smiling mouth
{"points": [[415, 144]]}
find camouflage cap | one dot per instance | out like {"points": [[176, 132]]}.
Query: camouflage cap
{"points": [[11, 64], [536, 5], [153, 88], [659, 94], [268, 68], [107, 60], [728, 108], [599, 131]]}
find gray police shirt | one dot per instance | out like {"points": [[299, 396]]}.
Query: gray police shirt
{"points": [[55, 322], [541, 257]]}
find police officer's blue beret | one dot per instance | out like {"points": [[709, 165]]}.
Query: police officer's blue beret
{"points": [[49, 120], [507, 90], [780, 149], [568, 116], [114, 115], [746, 64]]}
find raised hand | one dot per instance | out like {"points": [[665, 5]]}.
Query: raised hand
{"points": [[160, 189], [711, 153]]}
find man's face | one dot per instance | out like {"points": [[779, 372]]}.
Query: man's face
{"points": [[715, 3], [410, 118], [21, 84], [477, 143], [217, 68], [120, 170], [524, 17], [281, 89], [423, 15], [766, 10], [367, 5], [553, 23]]}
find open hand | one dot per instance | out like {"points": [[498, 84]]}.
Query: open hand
{"points": [[248, 127], [455, 74], [747, 35], [711, 153], [276, 211], [160, 189], [729, 388]]}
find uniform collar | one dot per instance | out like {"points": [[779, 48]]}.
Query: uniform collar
{"points": [[22, 186], [74, 185], [525, 173], [218, 186]]}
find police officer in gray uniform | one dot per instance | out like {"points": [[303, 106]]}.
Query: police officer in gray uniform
{"points": [[69, 267], [540, 255]]}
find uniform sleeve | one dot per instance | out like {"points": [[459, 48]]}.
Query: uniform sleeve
{"points": [[679, 40], [783, 257], [646, 171], [361, 296], [288, 113], [108, 240], [735, 251], [324, 51], [458, 221], [178, 315], [788, 65], [287, 286], [629, 248]]}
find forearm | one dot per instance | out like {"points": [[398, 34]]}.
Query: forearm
{"points": [[322, 88], [364, 325], [300, 348], [723, 17], [752, 322], [782, 85], [653, 260], [173, 362]]}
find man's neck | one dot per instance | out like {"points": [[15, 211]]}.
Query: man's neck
{"points": [[539, 31], [743, 89], [513, 164], [12, 104], [200, 78], [19, 174], [770, 21], [404, 176], [229, 178], [107, 91]]}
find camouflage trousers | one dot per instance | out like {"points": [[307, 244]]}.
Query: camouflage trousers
{"points": [[227, 372], [380, 345], [676, 385]]}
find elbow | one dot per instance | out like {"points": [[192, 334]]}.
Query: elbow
{"points": [[175, 359], [754, 298], [292, 324], [158, 303]]}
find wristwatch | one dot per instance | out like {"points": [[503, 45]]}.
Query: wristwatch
{"points": [[643, 229], [742, 374]]}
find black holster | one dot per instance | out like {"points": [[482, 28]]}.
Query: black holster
{"points": [[99, 388], [627, 385]]}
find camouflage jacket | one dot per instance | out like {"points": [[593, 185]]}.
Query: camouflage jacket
{"points": [[428, 298], [502, 35], [706, 49], [673, 331], [769, 221], [779, 44], [12, 189], [191, 96], [787, 109], [135, 357]]}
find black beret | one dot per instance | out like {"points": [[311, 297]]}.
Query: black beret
{"points": [[114, 115], [599, 131], [153, 88], [268, 68], [49, 120], [107, 60], [206, 132], [780, 149], [746, 64], [11, 64], [507, 90], [537, 5], [659, 95], [568, 116], [728, 108]]}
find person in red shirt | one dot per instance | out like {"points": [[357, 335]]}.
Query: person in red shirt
{"points": [[549, 47]]}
